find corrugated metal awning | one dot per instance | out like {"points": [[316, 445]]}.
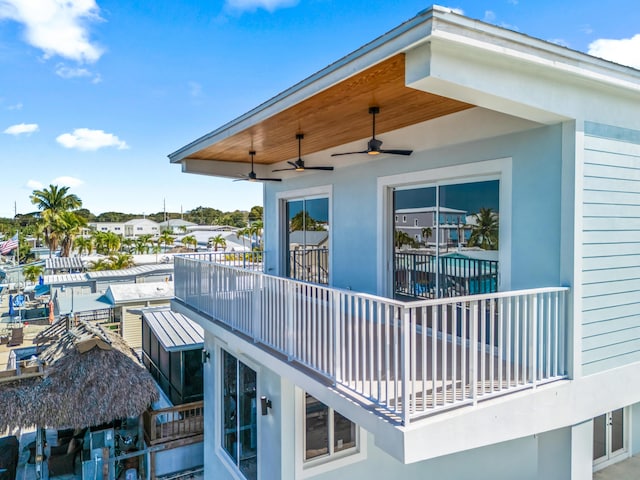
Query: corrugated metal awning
{"points": [[174, 331]]}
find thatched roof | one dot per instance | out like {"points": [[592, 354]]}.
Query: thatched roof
{"points": [[91, 376]]}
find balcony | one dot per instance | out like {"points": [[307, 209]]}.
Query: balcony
{"points": [[407, 359]]}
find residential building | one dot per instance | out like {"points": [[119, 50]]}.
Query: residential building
{"points": [[130, 229], [176, 225], [346, 377]]}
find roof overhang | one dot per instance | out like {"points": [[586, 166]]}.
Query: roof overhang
{"points": [[434, 65]]}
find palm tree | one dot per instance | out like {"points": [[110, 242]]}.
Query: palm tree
{"points": [[128, 245], [165, 238], [426, 233], [84, 244], [52, 202], [67, 227], [402, 238], [244, 232], [190, 240], [217, 241], [100, 264], [120, 261], [32, 272], [143, 243], [255, 230], [484, 233]]}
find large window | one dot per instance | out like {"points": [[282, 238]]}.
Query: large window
{"points": [[307, 240], [451, 248], [326, 432], [239, 426]]}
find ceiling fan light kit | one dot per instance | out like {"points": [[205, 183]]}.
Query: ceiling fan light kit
{"points": [[298, 165], [373, 145], [252, 177]]}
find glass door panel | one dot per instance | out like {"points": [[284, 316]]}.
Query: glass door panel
{"points": [[307, 240], [446, 240], [608, 438]]}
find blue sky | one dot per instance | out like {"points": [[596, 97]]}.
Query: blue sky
{"points": [[94, 94]]}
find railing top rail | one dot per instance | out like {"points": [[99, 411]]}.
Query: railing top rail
{"points": [[391, 301], [177, 408]]}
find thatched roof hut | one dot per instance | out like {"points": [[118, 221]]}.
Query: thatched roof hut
{"points": [[90, 376]]}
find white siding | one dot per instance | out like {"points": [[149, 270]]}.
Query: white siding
{"points": [[611, 250]]}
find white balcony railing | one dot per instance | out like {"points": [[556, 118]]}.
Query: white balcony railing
{"points": [[409, 359]]}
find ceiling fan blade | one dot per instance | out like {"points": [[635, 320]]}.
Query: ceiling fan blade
{"points": [[397, 152], [269, 179], [328, 169], [347, 153], [293, 165], [241, 180], [283, 169]]}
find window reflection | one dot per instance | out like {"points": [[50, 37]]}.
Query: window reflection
{"points": [[308, 240], [449, 244]]}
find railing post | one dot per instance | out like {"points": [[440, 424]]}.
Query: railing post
{"points": [[533, 338], [337, 336], [290, 321], [256, 317], [473, 352], [405, 352]]}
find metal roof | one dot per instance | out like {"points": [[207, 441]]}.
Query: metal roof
{"points": [[64, 263], [174, 331], [131, 272], [129, 292]]}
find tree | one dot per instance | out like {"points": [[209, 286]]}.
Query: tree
{"points": [[32, 272], [84, 244], [402, 238], [52, 202], [484, 233], [426, 233], [143, 243], [165, 238], [120, 261], [190, 240], [67, 227], [255, 214], [255, 231], [217, 241], [303, 221]]}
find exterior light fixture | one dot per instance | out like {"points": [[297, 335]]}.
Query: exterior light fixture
{"points": [[265, 403], [205, 356]]}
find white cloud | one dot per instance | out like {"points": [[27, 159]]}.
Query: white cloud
{"points": [[57, 27], [559, 41], [489, 16], [67, 181], [87, 139], [70, 72], [67, 72], [21, 128], [34, 185], [625, 51], [195, 89], [251, 5], [17, 106]]}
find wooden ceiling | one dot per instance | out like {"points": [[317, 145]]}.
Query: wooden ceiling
{"points": [[336, 116]]}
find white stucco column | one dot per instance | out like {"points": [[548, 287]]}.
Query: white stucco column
{"points": [[582, 451]]}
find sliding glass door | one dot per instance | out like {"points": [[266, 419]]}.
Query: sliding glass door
{"points": [[307, 240], [446, 239]]}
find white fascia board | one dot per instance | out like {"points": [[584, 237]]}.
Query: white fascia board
{"points": [[226, 169], [547, 85]]}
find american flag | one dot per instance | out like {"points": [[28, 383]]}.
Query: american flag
{"points": [[7, 246]]}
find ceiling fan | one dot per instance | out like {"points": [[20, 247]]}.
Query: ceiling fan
{"points": [[373, 146], [298, 165], [252, 177]]}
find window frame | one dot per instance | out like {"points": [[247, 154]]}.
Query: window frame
{"points": [[223, 456], [331, 461], [323, 191]]}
